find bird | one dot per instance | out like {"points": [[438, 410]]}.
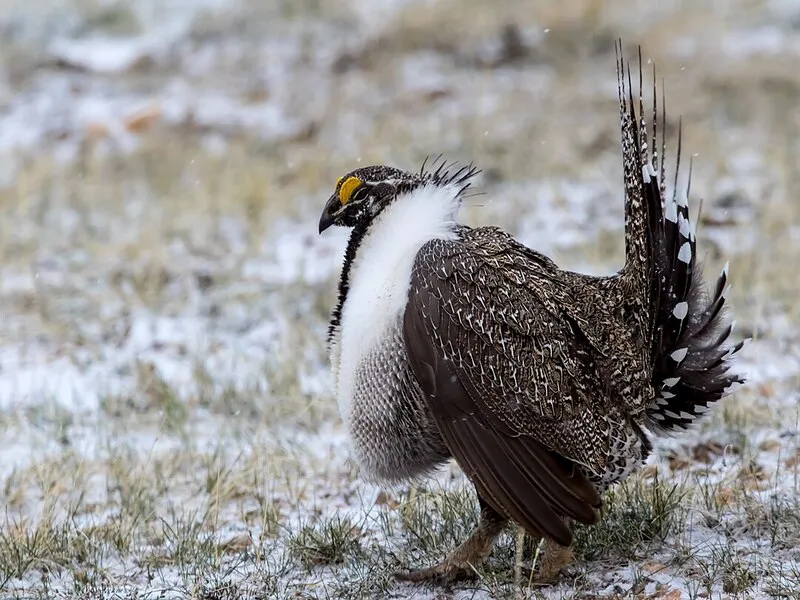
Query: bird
{"points": [[546, 386]]}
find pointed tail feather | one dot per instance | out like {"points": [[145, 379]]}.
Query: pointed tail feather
{"points": [[689, 329], [692, 367]]}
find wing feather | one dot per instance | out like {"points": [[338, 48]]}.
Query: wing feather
{"points": [[517, 474]]}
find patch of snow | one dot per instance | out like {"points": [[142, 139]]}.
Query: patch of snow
{"points": [[111, 55], [295, 252], [753, 42]]}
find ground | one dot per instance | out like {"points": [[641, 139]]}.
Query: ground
{"points": [[166, 422]]}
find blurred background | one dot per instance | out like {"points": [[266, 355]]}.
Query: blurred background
{"points": [[165, 414]]}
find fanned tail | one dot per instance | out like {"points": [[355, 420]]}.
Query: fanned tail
{"points": [[689, 329]]}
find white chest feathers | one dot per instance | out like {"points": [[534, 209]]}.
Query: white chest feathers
{"points": [[380, 276]]}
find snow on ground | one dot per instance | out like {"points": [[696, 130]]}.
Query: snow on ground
{"points": [[166, 428]]}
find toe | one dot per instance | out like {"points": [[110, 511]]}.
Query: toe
{"points": [[455, 573], [417, 575], [443, 573]]}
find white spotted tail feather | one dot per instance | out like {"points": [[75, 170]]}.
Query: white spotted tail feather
{"points": [[690, 330]]}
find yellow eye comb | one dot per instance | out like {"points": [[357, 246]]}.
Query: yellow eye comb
{"points": [[347, 187]]}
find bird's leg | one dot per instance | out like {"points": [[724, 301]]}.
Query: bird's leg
{"points": [[554, 557], [465, 559]]}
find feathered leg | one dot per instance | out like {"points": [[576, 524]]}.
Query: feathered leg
{"points": [[554, 558], [464, 560]]}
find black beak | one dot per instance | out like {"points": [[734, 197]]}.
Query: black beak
{"points": [[327, 219]]}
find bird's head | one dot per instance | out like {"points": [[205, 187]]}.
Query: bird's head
{"points": [[362, 194]]}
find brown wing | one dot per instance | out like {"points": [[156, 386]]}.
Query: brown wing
{"points": [[500, 376]]}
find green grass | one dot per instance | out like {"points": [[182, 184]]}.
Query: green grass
{"points": [[638, 517], [334, 541]]}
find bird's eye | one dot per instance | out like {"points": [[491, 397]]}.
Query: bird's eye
{"points": [[359, 194]]}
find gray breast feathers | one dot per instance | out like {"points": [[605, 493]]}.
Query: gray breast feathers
{"points": [[394, 435]]}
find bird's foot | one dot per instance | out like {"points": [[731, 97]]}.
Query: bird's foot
{"points": [[446, 572], [465, 559], [555, 561]]}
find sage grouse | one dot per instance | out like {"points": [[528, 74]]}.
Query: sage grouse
{"points": [[543, 384]]}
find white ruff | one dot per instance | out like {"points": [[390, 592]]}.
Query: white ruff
{"points": [[380, 276]]}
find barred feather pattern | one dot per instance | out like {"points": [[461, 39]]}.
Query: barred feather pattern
{"points": [[689, 329]]}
